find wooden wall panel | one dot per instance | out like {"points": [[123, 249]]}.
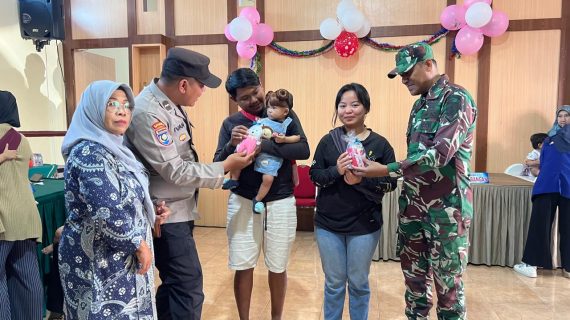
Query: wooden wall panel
{"points": [[200, 17], [466, 76], [314, 83], [402, 12], [90, 67], [245, 63], [146, 64], [95, 19], [294, 15], [530, 9], [154, 63], [150, 22], [207, 116], [523, 93]]}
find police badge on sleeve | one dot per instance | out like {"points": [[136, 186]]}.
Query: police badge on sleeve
{"points": [[161, 133]]}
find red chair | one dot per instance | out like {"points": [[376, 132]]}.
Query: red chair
{"points": [[305, 194]]}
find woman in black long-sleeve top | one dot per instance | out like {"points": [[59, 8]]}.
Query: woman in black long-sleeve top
{"points": [[349, 208]]}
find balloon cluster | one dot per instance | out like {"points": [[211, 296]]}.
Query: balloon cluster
{"points": [[248, 32], [345, 31], [473, 19]]}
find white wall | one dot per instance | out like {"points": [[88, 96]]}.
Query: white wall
{"points": [[35, 79]]}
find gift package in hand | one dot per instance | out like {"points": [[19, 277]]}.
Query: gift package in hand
{"points": [[355, 150], [252, 140]]}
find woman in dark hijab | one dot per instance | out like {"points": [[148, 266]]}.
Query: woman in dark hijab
{"points": [[551, 192], [20, 225], [9, 109], [8, 116]]}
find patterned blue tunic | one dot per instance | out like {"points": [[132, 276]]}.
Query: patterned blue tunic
{"points": [[105, 226]]}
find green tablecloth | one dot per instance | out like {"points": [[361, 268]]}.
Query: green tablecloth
{"points": [[499, 227], [51, 205]]}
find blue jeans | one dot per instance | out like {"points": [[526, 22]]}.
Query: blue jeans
{"points": [[345, 259]]}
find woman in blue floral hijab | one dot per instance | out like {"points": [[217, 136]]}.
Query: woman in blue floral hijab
{"points": [[105, 257]]}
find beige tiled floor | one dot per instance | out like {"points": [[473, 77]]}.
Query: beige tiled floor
{"points": [[492, 292]]}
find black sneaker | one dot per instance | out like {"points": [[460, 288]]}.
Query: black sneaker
{"points": [[230, 184]]}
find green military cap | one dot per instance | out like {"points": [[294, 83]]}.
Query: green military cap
{"points": [[409, 55]]}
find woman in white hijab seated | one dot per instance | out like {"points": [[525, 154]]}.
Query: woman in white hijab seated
{"points": [[105, 257]]}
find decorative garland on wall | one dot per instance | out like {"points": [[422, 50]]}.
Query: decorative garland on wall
{"points": [[301, 54], [392, 47], [255, 63]]}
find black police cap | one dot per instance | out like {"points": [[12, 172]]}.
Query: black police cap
{"points": [[186, 63]]}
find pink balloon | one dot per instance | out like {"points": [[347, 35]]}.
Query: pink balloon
{"points": [[498, 24], [467, 3], [251, 41], [251, 14], [228, 34], [254, 31], [246, 50], [468, 40], [263, 34], [453, 17]]}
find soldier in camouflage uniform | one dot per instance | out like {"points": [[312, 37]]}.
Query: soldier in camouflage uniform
{"points": [[436, 200]]}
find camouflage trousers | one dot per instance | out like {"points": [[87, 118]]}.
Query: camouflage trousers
{"points": [[433, 247]]}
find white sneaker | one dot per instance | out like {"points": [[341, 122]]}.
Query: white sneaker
{"points": [[525, 269], [565, 273]]}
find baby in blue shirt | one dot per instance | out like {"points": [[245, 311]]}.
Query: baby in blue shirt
{"points": [[278, 106]]}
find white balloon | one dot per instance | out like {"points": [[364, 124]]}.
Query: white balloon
{"points": [[352, 20], [241, 29], [478, 14], [344, 6], [365, 30], [330, 28]]}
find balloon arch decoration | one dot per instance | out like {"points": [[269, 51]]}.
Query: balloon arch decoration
{"points": [[474, 20]]}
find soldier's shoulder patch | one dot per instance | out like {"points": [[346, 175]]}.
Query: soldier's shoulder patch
{"points": [[161, 133]]}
